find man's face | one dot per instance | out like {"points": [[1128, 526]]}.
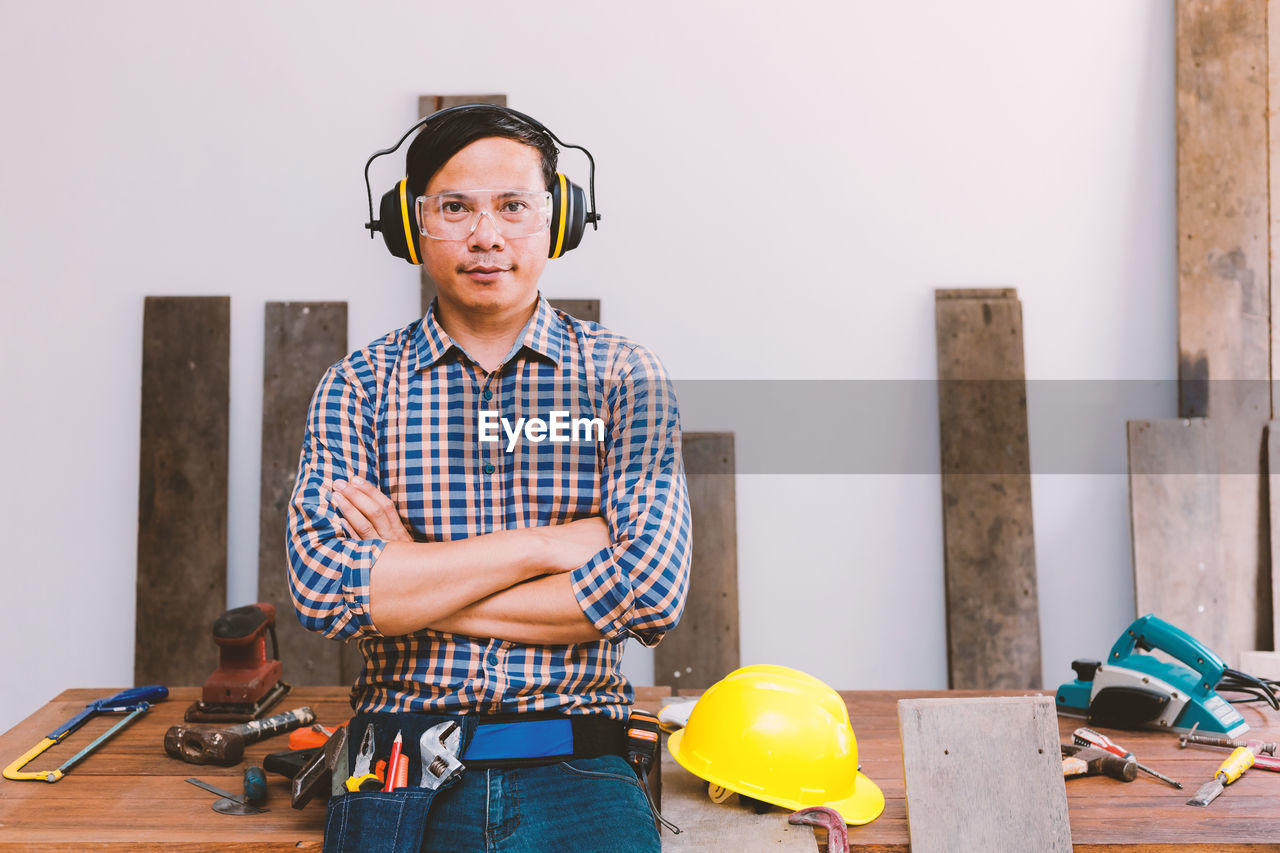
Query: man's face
{"points": [[487, 273]]}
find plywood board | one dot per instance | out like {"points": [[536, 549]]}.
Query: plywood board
{"points": [[1223, 218], [983, 774], [428, 104], [1261, 664], [704, 647], [729, 825], [182, 487], [300, 340], [1195, 550], [993, 623]]}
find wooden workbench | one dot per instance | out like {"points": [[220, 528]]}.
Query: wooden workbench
{"points": [[130, 795]]}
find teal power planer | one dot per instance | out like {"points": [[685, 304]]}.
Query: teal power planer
{"points": [[1138, 690]]}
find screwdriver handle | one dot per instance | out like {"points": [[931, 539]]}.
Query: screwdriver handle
{"points": [[1088, 737], [1240, 760]]}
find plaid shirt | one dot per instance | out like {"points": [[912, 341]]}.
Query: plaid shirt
{"points": [[405, 413]]}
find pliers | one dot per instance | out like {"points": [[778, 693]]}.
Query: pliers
{"points": [[365, 776]]}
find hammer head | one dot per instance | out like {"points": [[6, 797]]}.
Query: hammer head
{"points": [[204, 745]]}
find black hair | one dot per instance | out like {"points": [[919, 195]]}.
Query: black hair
{"points": [[443, 137]]}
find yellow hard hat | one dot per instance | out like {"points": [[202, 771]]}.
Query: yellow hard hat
{"points": [[778, 735]]}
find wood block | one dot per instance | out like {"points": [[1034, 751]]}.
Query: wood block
{"points": [[583, 309], [428, 104], [729, 825], [1195, 532], [983, 774], [182, 487], [993, 622], [704, 647], [301, 340], [1223, 283], [1261, 664]]}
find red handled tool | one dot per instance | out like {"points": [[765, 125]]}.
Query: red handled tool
{"points": [[397, 766], [1088, 737]]}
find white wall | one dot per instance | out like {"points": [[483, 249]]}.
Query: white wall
{"points": [[784, 185]]}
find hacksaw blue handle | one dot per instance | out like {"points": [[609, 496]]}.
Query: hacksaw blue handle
{"points": [[1153, 632], [125, 700]]}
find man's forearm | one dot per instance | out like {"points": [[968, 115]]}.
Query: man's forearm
{"points": [[416, 584], [541, 611]]}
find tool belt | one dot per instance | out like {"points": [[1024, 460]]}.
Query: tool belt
{"points": [[526, 740], [513, 740], [366, 819]]}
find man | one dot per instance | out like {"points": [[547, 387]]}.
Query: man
{"points": [[493, 579]]}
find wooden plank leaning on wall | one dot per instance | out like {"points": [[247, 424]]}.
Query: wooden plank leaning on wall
{"points": [[301, 340], [182, 487], [993, 620], [704, 647], [1177, 468]]}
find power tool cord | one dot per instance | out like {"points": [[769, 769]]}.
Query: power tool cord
{"points": [[1261, 689]]}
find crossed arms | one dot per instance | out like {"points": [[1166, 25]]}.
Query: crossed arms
{"points": [[355, 569]]}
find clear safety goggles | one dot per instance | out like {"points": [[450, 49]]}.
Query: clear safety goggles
{"points": [[456, 215]]}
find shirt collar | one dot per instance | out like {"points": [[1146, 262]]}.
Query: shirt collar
{"points": [[544, 335]]}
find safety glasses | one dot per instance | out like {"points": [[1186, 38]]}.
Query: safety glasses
{"points": [[456, 215]]}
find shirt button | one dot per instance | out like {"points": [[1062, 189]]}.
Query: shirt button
{"points": [[488, 395], [488, 468], [493, 659]]}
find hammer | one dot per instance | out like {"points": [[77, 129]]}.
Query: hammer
{"points": [[1092, 761], [225, 746]]}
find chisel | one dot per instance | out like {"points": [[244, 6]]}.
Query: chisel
{"points": [[1237, 762]]}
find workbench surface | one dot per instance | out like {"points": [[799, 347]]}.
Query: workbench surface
{"points": [[130, 795]]}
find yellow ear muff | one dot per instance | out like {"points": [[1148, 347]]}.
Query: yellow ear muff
{"points": [[410, 238], [561, 214]]}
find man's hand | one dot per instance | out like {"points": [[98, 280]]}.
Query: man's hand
{"points": [[370, 513], [567, 546]]}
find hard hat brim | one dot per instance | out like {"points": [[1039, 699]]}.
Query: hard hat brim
{"points": [[863, 806]]}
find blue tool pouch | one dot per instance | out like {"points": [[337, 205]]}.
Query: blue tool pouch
{"points": [[387, 822]]}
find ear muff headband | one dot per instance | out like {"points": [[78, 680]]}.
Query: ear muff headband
{"points": [[569, 211]]}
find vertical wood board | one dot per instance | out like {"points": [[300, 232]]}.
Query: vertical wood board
{"points": [[983, 774], [721, 826], [301, 340], [182, 487], [993, 623], [1273, 525], [428, 104], [704, 647], [1223, 217], [583, 309], [1273, 173], [1194, 548]]}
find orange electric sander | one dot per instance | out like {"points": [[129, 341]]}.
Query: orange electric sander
{"points": [[246, 683]]}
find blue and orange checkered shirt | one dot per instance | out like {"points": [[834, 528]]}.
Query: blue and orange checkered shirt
{"points": [[405, 413]]}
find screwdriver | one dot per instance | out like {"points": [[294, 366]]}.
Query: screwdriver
{"points": [[1088, 737], [1240, 760]]}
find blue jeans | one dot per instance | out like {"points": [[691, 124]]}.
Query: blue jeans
{"points": [[583, 805]]}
